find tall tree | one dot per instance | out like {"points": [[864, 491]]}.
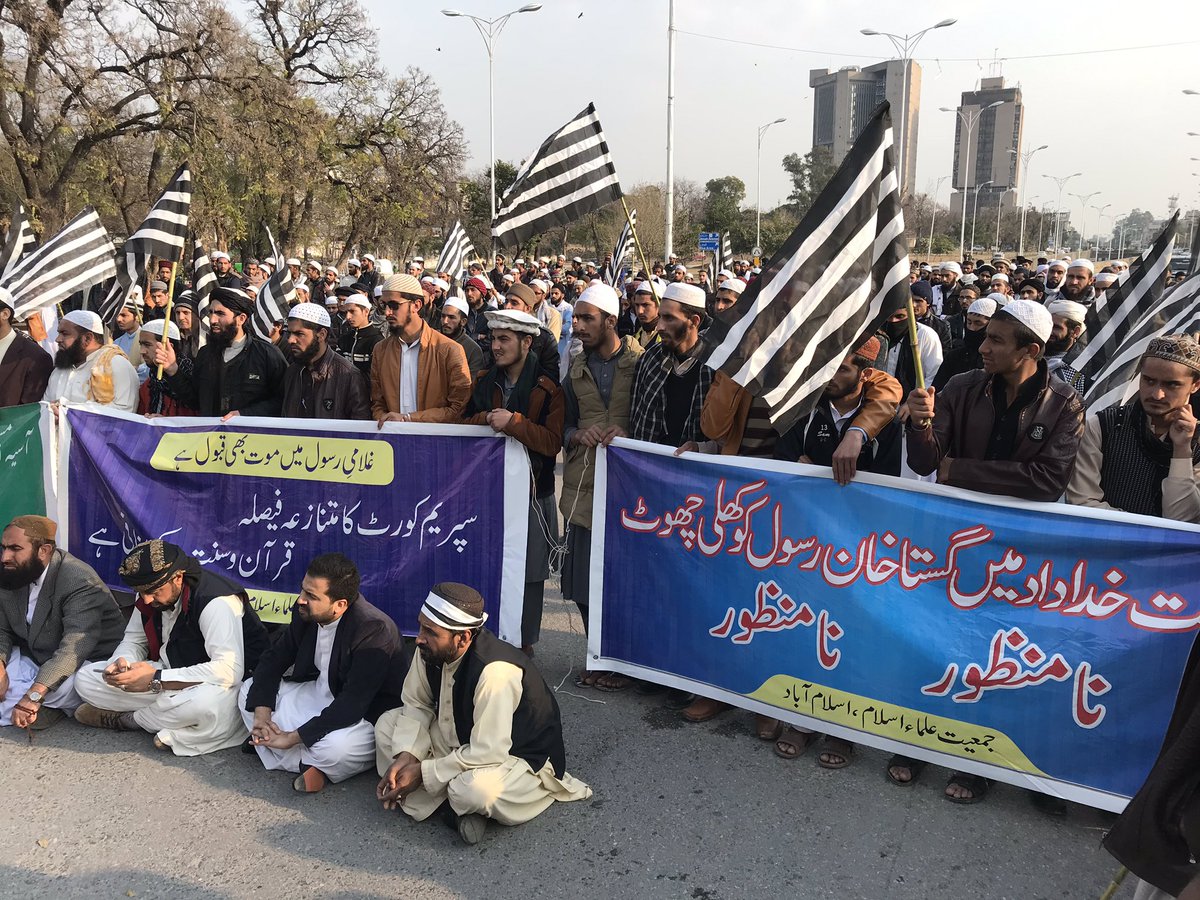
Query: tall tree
{"points": [[809, 173]]}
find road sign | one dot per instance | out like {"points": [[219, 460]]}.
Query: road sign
{"points": [[757, 251], [710, 241]]}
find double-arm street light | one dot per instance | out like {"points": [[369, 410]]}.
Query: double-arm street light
{"points": [[1057, 231], [933, 216], [1099, 218], [489, 30], [969, 120], [1083, 202], [905, 44], [762, 129], [975, 211], [1025, 157]]}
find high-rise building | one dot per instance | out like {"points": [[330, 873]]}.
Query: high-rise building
{"points": [[996, 132], [844, 100]]}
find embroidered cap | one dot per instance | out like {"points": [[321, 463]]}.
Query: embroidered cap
{"points": [[1177, 348], [454, 606], [150, 564]]}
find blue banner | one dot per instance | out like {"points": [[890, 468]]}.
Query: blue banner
{"points": [[1039, 644], [257, 499]]}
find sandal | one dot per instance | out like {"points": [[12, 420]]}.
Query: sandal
{"points": [[613, 682], [976, 784], [915, 768], [766, 728], [841, 750], [793, 744], [587, 678]]}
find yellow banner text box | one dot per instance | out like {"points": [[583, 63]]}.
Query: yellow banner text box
{"points": [[298, 456], [899, 723], [272, 606]]}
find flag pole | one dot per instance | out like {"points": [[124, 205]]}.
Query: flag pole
{"points": [[167, 315], [916, 350], [1116, 883], [641, 253]]}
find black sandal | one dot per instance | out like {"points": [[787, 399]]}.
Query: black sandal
{"points": [[976, 784], [915, 768]]}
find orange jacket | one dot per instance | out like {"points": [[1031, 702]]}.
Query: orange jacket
{"points": [[443, 379]]}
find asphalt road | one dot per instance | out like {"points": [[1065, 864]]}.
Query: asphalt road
{"points": [[705, 812]]}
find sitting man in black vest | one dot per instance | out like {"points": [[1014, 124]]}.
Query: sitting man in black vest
{"points": [[345, 664], [479, 735], [176, 673]]}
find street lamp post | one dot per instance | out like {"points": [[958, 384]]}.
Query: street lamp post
{"points": [[969, 121], [762, 129], [1058, 206], [933, 216], [904, 45], [1025, 158], [975, 211], [489, 30], [1099, 219], [1083, 201], [1041, 226], [999, 207]]}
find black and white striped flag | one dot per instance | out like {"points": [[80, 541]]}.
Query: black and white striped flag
{"points": [[457, 250], [843, 271], [275, 297], [623, 248], [571, 175], [1125, 307], [162, 234], [76, 258], [726, 252], [19, 242], [204, 279]]}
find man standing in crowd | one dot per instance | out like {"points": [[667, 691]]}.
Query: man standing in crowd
{"points": [[155, 396], [87, 370], [646, 299], [727, 294], [1142, 457], [55, 616], [945, 292], [922, 297], [898, 362], [360, 334], [454, 326], [235, 373], [521, 297], [370, 275], [129, 321], [417, 374], [223, 269], [191, 640], [964, 356], [319, 383], [316, 693], [1008, 429], [1069, 318], [596, 398], [545, 312], [187, 320], [479, 734], [1079, 283], [516, 398], [24, 366]]}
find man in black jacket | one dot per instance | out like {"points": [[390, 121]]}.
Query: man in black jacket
{"points": [[319, 384], [359, 335], [235, 373], [479, 735], [347, 664]]}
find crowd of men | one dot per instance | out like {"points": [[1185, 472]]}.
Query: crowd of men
{"points": [[549, 354]]}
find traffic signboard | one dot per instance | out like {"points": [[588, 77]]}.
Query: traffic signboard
{"points": [[710, 241]]}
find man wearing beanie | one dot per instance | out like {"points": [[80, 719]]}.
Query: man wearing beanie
{"points": [[479, 735], [55, 616], [1010, 429], [24, 366], [191, 640]]}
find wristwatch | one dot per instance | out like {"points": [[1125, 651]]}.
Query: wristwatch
{"points": [[156, 682], [35, 696]]}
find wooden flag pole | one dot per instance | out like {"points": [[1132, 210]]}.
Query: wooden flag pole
{"points": [[641, 253], [1116, 883], [916, 350], [167, 315]]}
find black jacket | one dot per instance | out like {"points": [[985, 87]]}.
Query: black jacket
{"points": [[251, 383], [332, 389], [356, 344], [366, 669]]}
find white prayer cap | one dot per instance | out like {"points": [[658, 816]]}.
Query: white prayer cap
{"points": [[85, 319], [1106, 279], [441, 284], [984, 306], [1033, 316], [1000, 276], [457, 303], [650, 286], [686, 294], [332, 300], [292, 261], [333, 269], [1057, 264], [379, 290], [352, 262], [509, 278], [969, 278], [358, 300], [724, 274], [366, 256], [311, 313], [314, 264], [444, 607], [757, 270], [1068, 309], [218, 254], [404, 284], [591, 263], [733, 284], [512, 320], [1082, 264], [926, 267], [426, 279], [603, 297], [418, 259], [155, 327], [680, 268], [301, 286], [951, 266], [1040, 269], [537, 282], [386, 269], [576, 259], [519, 262], [1001, 300]]}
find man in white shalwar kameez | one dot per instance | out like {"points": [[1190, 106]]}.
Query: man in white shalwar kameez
{"points": [[345, 663], [179, 666], [88, 371], [479, 735]]}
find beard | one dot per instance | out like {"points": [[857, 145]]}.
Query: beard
{"points": [[1071, 293], [1058, 346], [221, 340], [70, 357], [831, 393], [21, 576], [304, 357]]}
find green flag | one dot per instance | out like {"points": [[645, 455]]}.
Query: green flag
{"points": [[21, 462]]}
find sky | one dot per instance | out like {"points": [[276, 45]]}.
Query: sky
{"points": [[1119, 117]]}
